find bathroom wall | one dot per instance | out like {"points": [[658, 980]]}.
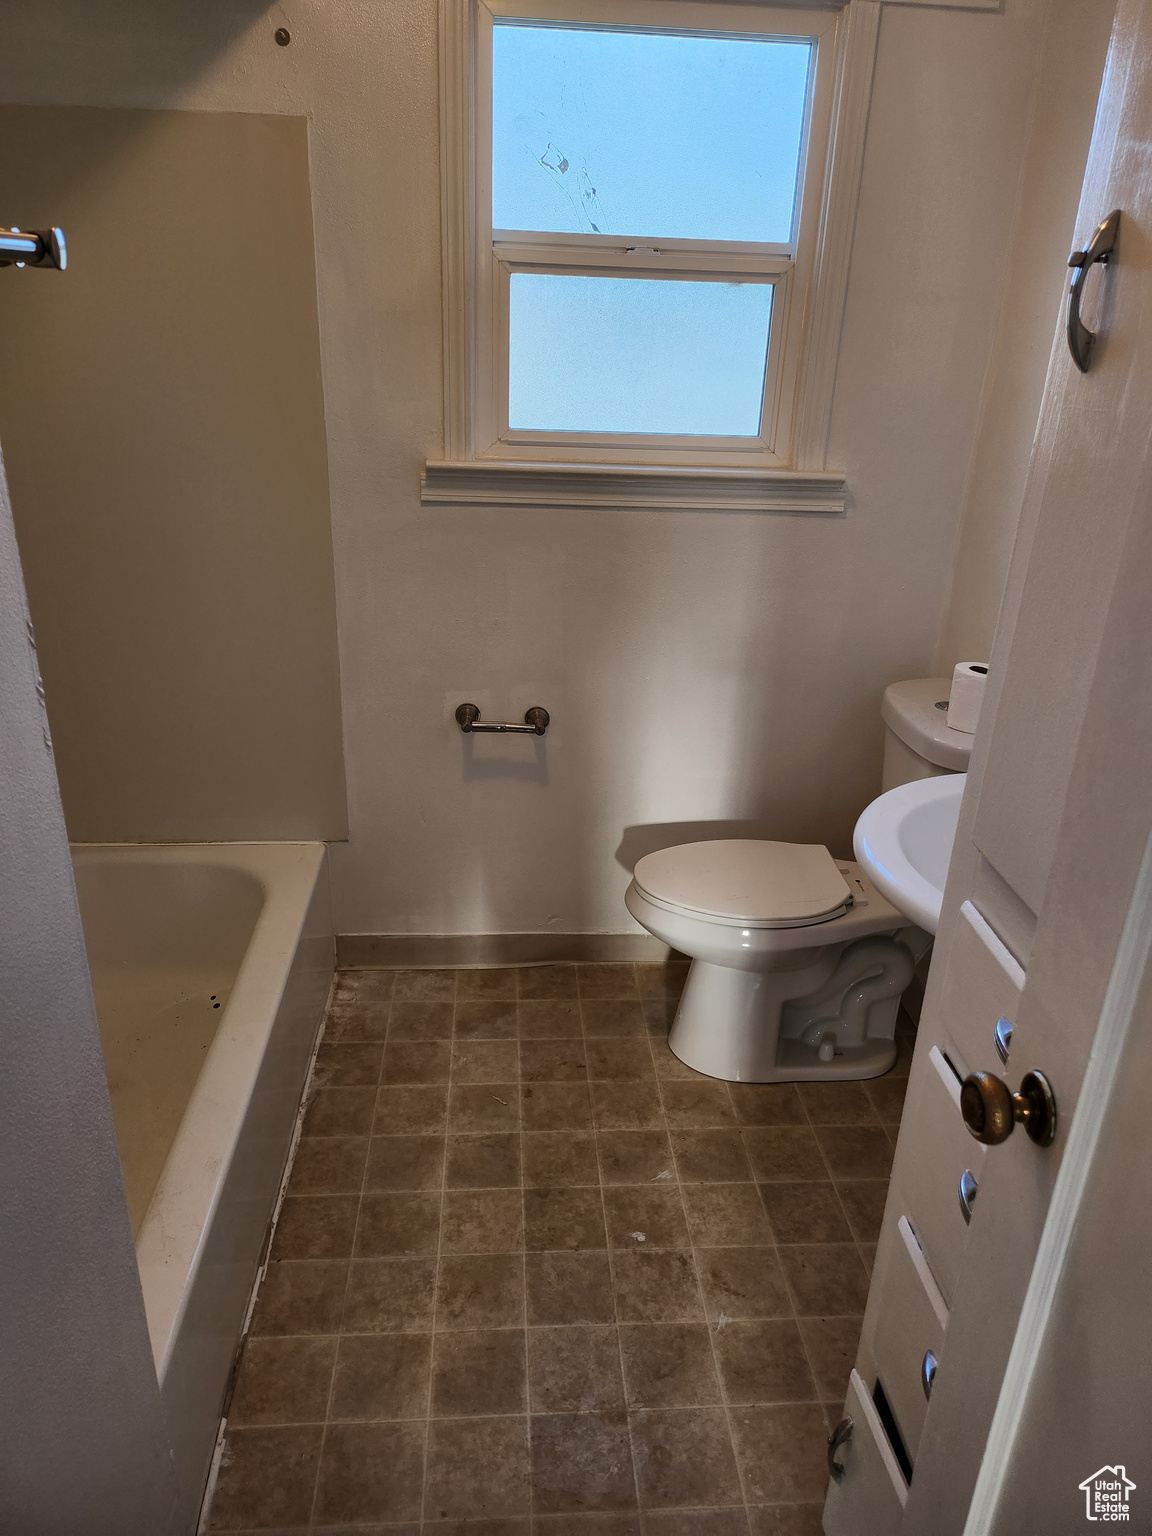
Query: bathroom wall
{"points": [[1031, 311], [707, 673], [162, 414], [80, 1418]]}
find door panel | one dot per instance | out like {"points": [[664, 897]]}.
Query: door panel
{"points": [[869, 1501], [909, 1326]]}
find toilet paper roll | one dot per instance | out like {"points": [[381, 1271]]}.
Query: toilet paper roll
{"points": [[966, 696]]}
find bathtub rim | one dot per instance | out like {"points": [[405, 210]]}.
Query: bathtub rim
{"points": [[173, 1233]]}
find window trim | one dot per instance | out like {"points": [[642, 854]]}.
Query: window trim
{"points": [[508, 471]]}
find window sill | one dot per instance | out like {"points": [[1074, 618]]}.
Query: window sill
{"points": [[623, 487]]}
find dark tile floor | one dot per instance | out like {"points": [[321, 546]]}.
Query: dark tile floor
{"points": [[535, 1277]]}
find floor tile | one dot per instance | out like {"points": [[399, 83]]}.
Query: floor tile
{"points": [[656, 1287], [767, 1104], [805, 1213], [413, 1020], [559, 1159], [363, 985], [832, 1343], [645, 1214], [697, 1104], [699, 1522], [348, 1066], [787, 1520], [725, 1215], [763, 1362], [483, 1107], [785, 1152], [553, 1020], [340, 1112], [634, 1157], [350, 1020], [382, 1376], [668, 1365], [626, 1106], [660, 980], [618, 1060], [390, 1295], [856, 1151], [659, 1015], [710, 1157], [612, 1019], [563, 1218], [405, 1162], [477, 1468], [411, 1110], [574, 1370], [416, 1061], [484, 1061], [370, 1472], [494, 983], [552, 1061], [863, 1202], [781, 1449], [585, 1525], [483, 1162], [546, 981], [684, 1457], [827, 1280], [486, 1021], [328, 1165], [397, 1223], [482, 1221], [606, 981], [301, 1296], [479, 1371], [743, 1282], [868, 1254], [267, 1478], [668, 1065], [316, 1227], [438, 986], [283, 1381], [581, 1462], [480, 1290], [556, 1107], [837, 1103], [569, 1288], [887, 1095]]}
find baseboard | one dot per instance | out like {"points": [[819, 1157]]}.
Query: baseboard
{"points": [[419, 951]]}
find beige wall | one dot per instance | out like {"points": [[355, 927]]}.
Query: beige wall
{"points": [[162, 415], [704, 671], [1032, 309]]}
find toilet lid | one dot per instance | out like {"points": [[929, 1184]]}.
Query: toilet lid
{"points": [[766, 885]]}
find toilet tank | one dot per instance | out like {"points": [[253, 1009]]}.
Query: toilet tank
{"points": [[918, 741]]}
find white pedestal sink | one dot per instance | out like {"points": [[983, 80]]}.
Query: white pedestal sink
{"points": [[904, 842]]}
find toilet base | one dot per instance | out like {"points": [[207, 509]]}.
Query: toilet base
{"points": [[747, 1046]]}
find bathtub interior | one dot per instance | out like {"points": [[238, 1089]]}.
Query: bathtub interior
{"points": [[165, 942]]}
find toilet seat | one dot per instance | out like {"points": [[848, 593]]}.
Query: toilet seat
{"points": [[746, 883]]}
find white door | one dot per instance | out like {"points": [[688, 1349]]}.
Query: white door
{"points": [[1046, 922]]}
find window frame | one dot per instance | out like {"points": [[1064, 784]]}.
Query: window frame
{"points": [[786, 265], [477, 468]]}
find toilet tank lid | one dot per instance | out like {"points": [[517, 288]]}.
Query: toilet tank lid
{"points": [[761, 883], [909, 709]]}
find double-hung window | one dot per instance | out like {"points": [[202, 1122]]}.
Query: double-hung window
{"points": [[638, 198]]}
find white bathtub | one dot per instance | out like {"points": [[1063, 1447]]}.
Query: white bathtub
{"points": [[211, 965]]}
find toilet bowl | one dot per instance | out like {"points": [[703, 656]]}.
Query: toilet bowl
{"points": [[796, 974]]}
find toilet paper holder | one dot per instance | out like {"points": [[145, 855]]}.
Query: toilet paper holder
{"points": [[535, 721]]}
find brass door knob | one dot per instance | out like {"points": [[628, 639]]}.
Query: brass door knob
{"points": [[991, 1110]]}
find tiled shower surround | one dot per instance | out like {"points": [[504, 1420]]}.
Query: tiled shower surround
{"points": [[535, 1277]]}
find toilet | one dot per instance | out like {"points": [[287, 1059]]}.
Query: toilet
{"points": [[798, 961]]}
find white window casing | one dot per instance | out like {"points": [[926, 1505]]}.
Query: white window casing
{"points": [[784, 469]]}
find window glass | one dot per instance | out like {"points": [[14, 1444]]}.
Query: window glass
{"points": [[649, 134], [609, 354]]}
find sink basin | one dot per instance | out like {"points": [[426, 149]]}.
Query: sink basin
{"points": [[904, 842]]}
